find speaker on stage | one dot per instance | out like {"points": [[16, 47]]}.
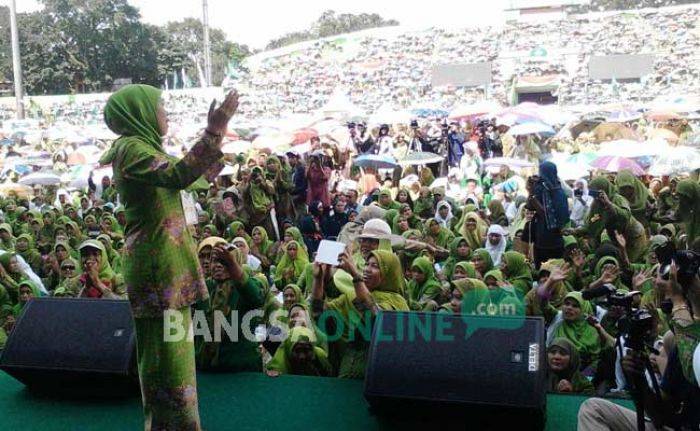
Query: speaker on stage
{"points": [[488, 371], [80, 346]]}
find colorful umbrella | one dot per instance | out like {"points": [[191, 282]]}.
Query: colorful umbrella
{"points": [[623, 116], [664, 134], [273, 141], [616, 164], [662, 115], [535, 128], [14, 189], [40, 178]]}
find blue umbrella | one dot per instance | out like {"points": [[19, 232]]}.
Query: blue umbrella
{"points": [[375, 161], [425, 113], [6, 142]]}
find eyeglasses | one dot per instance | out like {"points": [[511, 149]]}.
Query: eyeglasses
{"points": [[71, 268]]}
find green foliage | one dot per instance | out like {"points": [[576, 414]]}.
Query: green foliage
{"points": [[85, 45], [331, 24]]}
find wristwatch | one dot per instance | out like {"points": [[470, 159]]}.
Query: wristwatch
{"points": [[356, 279]]}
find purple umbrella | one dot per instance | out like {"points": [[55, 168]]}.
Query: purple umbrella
{"points": [[616, 164]]}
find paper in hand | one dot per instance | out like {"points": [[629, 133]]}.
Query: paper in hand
{"points": [[328, 252]]}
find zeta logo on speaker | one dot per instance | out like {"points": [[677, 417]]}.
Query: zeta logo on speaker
{"points": [[533, 361]]}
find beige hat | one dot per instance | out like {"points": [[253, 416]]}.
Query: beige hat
{"points": [[376, 229]]}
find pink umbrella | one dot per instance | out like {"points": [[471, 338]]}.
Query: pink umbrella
{"points": [[616, 164], [303, 135]]}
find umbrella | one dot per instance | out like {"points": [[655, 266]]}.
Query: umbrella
{"points": [[678, 161], [303, 135], [272, 141], [623, 116], [616, 164], [664, 134], [427, 112], [473, 110], [535, 128], [510, 162], [662, 115], [76, 158], [19, 190], [585, 125], [375, 161], [631, 149], [420, 158], [227, 170], [40, 178], [692, 140], [611, 131], [571, 171], [236, 147]]}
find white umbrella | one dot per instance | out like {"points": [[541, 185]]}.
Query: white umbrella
{"points": [[40, 178], [531, 129], [629, 148], [678, 160], [507, 161]]}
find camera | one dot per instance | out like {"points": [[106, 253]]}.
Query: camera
{"points": [[578, 193], [231, 246], [414, 124], [351, 126], [594, 193], [687, 263]]}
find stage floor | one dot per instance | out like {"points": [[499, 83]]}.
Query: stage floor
{"points": [[232, 401]]}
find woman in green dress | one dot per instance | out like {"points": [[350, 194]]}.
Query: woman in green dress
{"points": [[481, 258], [378, 287], [563, 375], [299, 355], [291, 265], [517, 271], [7, 240], [459, 252], [424, 289], [161, 270]]}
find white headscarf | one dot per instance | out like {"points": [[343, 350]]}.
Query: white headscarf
{"points": [[496, 251], [444, 222]]}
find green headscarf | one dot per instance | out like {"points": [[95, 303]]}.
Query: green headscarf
{"points": [[429, 289], [265, 244], [582, 335], [579, 383], [689, 208], [298, 294], [233, 229], [213, 231], [8, 245], [625, 178], [497, 213], [485, 256], [454, 259], [298, 264], [5, 259], [261, 201], [443, 238], [392, 205], [475, 238], [17, 308], [519, 274], [281, 363], [105, 269], [131, 112], [599, 270]]}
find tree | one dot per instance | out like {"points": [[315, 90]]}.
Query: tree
{"points": [[330, 24], [187, 35]]}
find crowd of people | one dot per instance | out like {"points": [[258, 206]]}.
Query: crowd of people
{"points": [[397, 69]]}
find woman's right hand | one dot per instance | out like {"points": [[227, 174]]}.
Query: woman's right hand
{"points": [[218, 118]]}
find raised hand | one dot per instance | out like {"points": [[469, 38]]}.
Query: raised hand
{"points": [[218, 118], [559, 273], [609, 274], [620, 239], [578, 259], [641, 277]]}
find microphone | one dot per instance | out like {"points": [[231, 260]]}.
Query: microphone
{"points": [[597, 292]]}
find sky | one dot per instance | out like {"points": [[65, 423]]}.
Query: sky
{"points": [[256, 22]]}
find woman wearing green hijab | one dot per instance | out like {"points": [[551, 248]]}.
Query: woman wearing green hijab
{"points": [[115, 258], [11, 275], [259, 196], [99, 279], [570, 323], [473, 229], [611, 212], [636, 194], [464, 270], [70, 285], [299, 355], [425, 204], [563, 364], [281, 178], [424, 289], [209, 230], [24, 246], [27, 291], [262, 247], [292, 294], [459, 252], [378, 287], [291, 265], [162, 273], [689, 210], [517, 271], [7, 240], [386, 201], [482, 261], [237, 229], [497, 214], [437, 235]]}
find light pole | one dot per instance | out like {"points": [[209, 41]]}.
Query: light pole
{"points": [[207, 48], [16, 64]]}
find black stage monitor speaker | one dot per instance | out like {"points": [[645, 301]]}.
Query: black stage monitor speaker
{"points": [[485, 371], [80, 346]]}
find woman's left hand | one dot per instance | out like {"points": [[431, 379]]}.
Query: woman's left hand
{"points": [[565, 386]]}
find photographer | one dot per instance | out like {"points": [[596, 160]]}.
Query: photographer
{"points": [[259, 196], [455, 139], [581, 204], [551, 213], [677, 405], [419, 141], [361, 140]]}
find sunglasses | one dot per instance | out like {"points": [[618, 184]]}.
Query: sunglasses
{"points": [[72, 268]]}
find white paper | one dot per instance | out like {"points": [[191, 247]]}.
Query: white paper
{"points": [[328, 252], [189, 208]]}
